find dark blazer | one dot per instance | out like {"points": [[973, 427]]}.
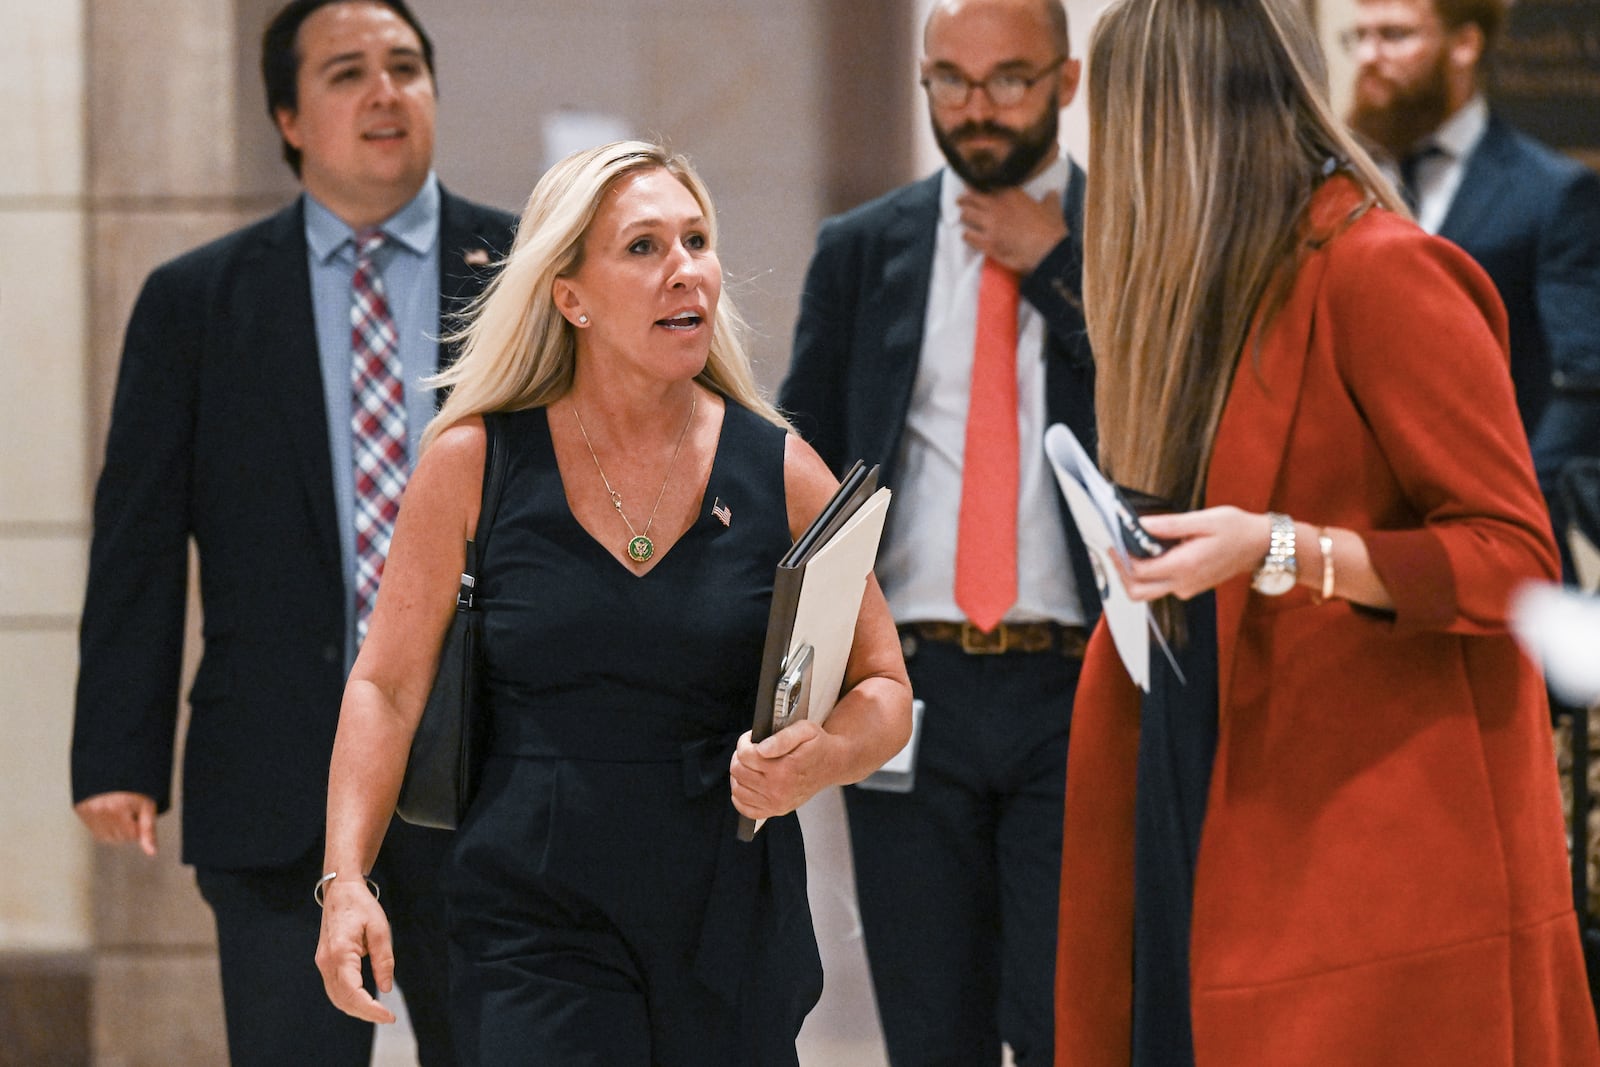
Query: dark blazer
{"points": [[219, 434], [1530, 216], [859, 335]]}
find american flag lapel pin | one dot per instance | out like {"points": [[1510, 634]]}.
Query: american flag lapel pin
{"points": [[476, 257], [721, 511]]}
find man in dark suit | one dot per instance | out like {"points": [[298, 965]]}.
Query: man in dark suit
{"points": [[1529, 215], [910, 305], [244, 420]]}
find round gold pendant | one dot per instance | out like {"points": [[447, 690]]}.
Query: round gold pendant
{"points": [[641, 548]]}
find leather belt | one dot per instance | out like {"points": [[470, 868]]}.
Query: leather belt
{"points": [[1070, 641]]}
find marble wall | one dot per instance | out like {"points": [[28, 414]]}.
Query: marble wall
{"points": [[43, 527], [45, 871]]}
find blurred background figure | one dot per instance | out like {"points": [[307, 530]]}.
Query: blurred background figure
{"points": [[1529, 215]]}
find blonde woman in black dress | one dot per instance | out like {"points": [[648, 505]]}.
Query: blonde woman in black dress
{"points": [[602, 911]]}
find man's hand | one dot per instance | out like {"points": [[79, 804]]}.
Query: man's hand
{"points": [[117, 817], [1012, 228]]}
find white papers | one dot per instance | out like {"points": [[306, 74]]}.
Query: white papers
{"points": [[830, 599], [1559, 627], [1094, 505]]}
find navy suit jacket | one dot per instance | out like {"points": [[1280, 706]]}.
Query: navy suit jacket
{"points": [[1530, 216], [219, 434], [859, 336]]}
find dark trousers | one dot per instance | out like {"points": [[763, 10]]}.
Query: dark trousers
{"points": [[958, 880], [267, 927]]}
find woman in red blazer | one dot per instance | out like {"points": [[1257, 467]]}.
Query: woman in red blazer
{"points": [[1339, 841]]}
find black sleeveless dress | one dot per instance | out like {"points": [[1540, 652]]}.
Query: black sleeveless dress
{"points": [[602, 910]]}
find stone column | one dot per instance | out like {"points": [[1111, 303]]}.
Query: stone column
{"points": [[44, 924], [173, 161]]}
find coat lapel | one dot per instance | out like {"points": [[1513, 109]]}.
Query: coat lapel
{"points": [[1253, 435], [1482, 186], [1069, 384], [908, 265], [468, 257], [279, 326]]}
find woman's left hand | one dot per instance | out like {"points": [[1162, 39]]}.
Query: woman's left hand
{"points": [[1213, 545], [782, 772]]}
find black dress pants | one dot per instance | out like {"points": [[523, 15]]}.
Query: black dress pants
{"points": [[267, 926], [958, 880]]}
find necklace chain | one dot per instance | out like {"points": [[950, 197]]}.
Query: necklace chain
{"points": [[640, 548]]}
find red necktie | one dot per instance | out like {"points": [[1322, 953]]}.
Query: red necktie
{"points": [[377, 423], [986, 540]]}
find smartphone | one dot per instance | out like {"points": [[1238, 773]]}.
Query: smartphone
{"points": [[1139, 542], [789, 698]]}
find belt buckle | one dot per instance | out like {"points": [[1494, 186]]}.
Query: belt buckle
{"points": [[974, 642]]}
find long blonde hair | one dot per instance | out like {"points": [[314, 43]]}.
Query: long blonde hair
{"points": [[518, 351], [1209, 129]]}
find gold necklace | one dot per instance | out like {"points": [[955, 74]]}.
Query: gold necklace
{"points": [[640, 547]]}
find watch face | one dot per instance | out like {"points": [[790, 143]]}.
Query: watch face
{"points": [[1273, 581]]}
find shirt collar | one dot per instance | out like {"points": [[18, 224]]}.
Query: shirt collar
{"points": [[1459, 134], [415, 226], [1050, 181]]}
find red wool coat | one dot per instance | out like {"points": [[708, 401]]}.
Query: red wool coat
{"points": [[1382, 873]]}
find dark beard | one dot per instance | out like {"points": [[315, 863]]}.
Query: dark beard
{"points": [[1413, 113], [985, 171]]}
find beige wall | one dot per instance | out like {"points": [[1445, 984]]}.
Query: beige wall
{"points": [[1332, 17], [43, 447]]}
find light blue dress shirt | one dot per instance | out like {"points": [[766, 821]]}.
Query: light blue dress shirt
{"points": [[409, 264]]}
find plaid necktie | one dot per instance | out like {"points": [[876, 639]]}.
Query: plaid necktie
{"points": [[986, 537], [377, 423]]}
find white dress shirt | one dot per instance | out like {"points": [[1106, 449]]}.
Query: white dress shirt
{"points": [[1439, 175], [917, 565]]}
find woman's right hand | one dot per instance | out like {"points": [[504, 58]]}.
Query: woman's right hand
{"points": [[353, 926], [1209, 547]]}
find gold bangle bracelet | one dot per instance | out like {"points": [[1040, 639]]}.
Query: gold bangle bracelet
{"points": [[1325, 545]]}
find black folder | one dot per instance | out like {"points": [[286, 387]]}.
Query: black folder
{"points": [[782, 686]]}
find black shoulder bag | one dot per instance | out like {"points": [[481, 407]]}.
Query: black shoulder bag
{"points": [[447, 750]]}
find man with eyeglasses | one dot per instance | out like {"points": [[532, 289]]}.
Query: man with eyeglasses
{"points": [[1529, 215], [940, 333]]}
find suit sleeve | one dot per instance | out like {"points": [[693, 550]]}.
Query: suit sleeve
{"points": [[1420, 341], [813, 392], [131, 636], [1054, 289], [1567, 291]]}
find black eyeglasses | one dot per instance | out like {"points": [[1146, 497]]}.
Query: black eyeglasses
{"points": [[948, 87], [1383, 38]]}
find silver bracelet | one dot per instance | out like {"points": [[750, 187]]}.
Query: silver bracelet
{"points": [[316, 891]]}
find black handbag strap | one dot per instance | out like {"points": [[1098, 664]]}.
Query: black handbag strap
{"points": [[494, 475]]}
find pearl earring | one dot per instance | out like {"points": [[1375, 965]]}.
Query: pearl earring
{"points": [[583, 320]]}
